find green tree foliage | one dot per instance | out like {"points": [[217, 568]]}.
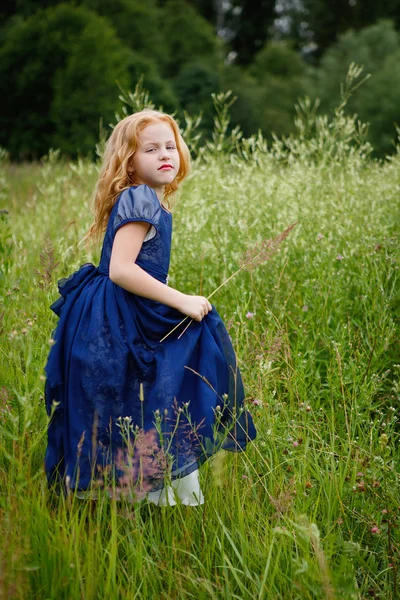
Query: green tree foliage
{"points": [[23, 8], [377, 101], [247, 108], [279, 60], [137, 23], [268, 90], [251, 24], [190, 38], [244, 25], [139, 27], [194, 86], [57, 79], [322, 21], [160, 88]]}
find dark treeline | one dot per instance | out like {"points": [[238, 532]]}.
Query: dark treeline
{"points": [[61, 64]]}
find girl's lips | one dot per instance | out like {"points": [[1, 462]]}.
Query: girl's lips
{"points": [[165, 167]]}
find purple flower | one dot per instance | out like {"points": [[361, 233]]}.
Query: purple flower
{"points": [[257, 402], [339, 257], [249, 315]]}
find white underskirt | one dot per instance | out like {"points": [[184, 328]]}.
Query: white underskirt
{"points": [[186, 488]]}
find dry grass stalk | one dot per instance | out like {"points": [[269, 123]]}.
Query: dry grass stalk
{"points": [[253, 257], [48, 264]]}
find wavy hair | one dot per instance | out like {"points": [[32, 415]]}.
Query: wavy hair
{"points": [[119, 152]]}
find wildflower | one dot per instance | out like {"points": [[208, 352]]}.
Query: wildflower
{"points": [[319, 237], [308, 409], [339, 257], [375, 529], [308, 484], [295, 444], [218, 408], [249, 315], [305, 308], [257, 402], [142, 465], [376, 484], [51, 342], [245, 477]]}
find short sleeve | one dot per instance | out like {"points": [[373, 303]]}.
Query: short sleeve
{"points": [[138, 204]]}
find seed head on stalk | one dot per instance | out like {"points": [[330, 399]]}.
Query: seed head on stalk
{"points": [[253, 257]]}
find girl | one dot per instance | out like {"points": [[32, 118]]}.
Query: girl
{"points": [[123, 367]]}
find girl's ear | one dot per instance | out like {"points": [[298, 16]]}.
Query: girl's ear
{"points": [[130, 168]]}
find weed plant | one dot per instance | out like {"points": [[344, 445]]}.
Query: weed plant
{"points": [[312, 509]]}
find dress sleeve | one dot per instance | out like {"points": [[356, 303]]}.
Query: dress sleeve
{"points": [[138, 204]]}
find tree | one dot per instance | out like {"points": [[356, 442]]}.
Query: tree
{"points": [[194, 86], [251, 24], [267, 90], [58, 71], [243, 25], [189, 37], [320, 22], [138, 25], [377, 101]]}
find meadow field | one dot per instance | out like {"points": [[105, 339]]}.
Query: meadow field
{"points": [[312, 508]]}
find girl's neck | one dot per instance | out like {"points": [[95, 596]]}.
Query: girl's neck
{"points": [[160, 193]]}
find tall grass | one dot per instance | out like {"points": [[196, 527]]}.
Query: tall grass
{"points": [[311, 510]]}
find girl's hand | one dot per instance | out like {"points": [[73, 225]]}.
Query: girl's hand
{"points": [[195, 307]]}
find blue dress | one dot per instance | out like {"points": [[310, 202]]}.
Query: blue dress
{"points": [[114, 380]]}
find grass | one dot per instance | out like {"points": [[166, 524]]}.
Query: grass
{"points": [[312, 508]]}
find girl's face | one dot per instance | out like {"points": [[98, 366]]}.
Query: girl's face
{"points": [[156, 161]]}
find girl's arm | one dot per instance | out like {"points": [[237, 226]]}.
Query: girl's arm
{"points": [[125, 273]]}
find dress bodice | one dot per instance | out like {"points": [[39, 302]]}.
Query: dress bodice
{"points": [[140, 203]]}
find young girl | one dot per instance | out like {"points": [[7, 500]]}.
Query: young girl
{"points": [[123, 363]]}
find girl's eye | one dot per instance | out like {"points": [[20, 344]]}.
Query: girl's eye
{"points": [[168, 147]]}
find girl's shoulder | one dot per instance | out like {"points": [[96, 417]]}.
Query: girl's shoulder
{"points": [[137, 194], [137, 203]]}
